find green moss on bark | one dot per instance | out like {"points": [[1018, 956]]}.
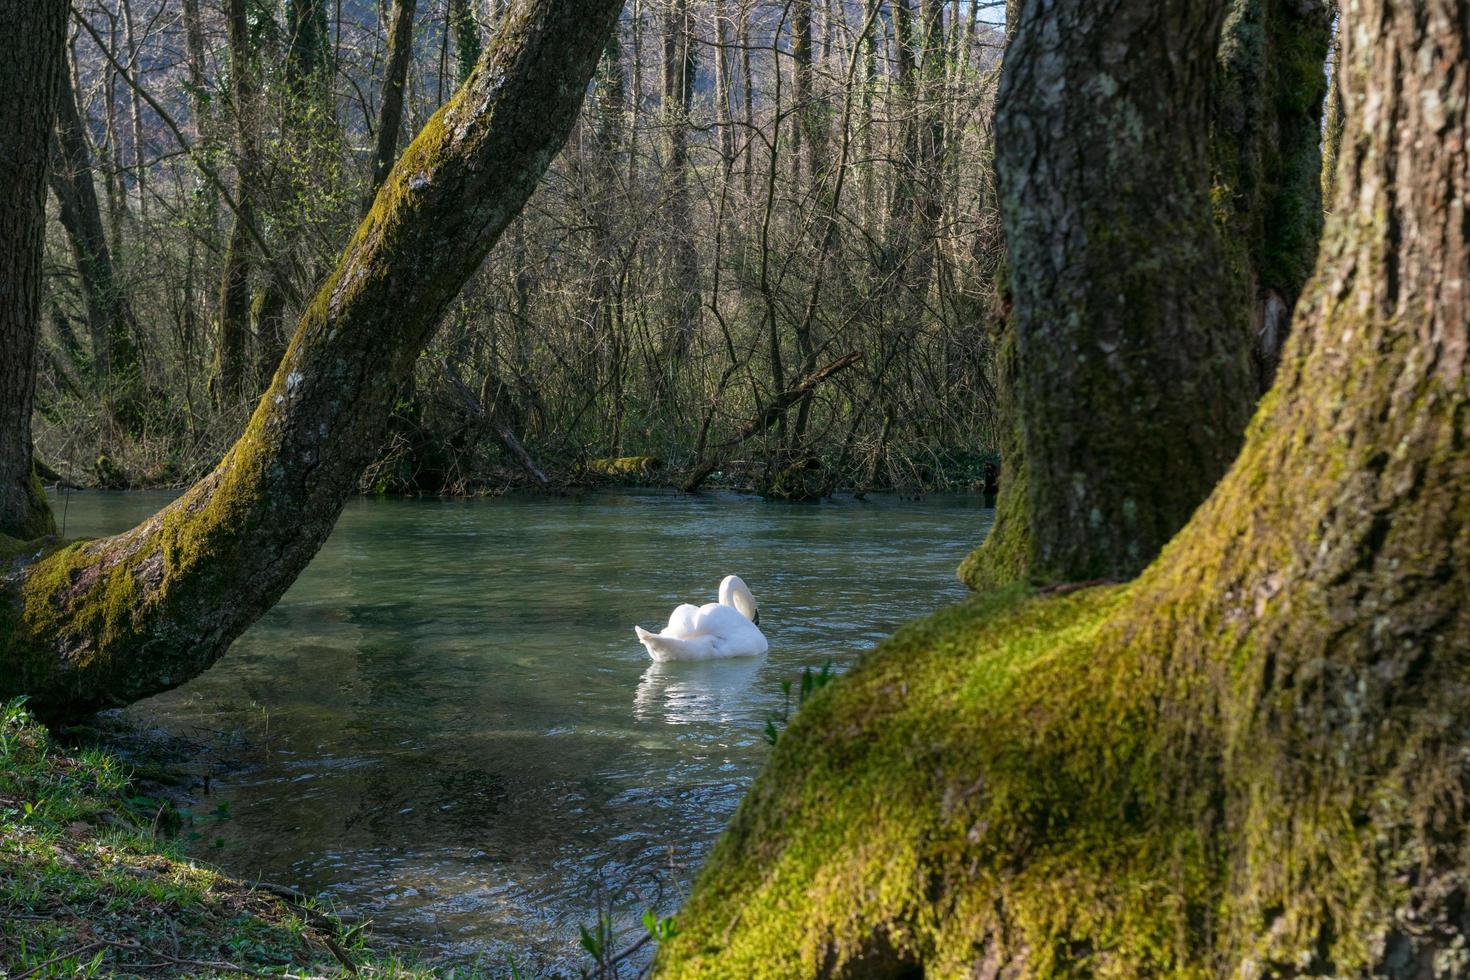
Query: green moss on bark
{"points": [[1003, 559], [883, 834]]}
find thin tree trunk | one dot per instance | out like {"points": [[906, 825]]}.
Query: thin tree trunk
{"points": [[635, 91], [466, 38], [227, 376], [109, 315], [109, 621], [803, 130], [747, 88], [201, 216], [683, 302], [140, 164], [1334, 113], [111, 155], [722, 84], [31, 68], [390, 111], [310, 124]]}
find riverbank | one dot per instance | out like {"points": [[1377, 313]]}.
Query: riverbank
{"points": [[93, 881], [804, 479]]}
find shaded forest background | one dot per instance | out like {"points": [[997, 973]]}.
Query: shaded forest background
{"points": [[769, 255]]}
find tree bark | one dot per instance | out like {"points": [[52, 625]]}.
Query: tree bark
{"points": [[106, 622], [1250, 761], [1133, 378], [1265, 159], [109, 315], [227, 377], [390, 111], [30, 76], [1268, 159]]}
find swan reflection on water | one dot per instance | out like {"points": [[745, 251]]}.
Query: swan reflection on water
{"points": [[691, 692]]}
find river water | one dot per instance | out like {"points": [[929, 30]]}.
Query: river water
{"points": [[452, 730]]}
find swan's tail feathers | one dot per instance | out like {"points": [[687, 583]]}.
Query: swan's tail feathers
{"points": [[663, 648]]}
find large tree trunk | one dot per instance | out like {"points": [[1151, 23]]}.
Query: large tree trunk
{"points": [[106, 622], [31, 67], [1252, 760], [1131, 356], [1133, 374]]}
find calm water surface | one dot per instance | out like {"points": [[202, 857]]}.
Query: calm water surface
{"points": [[455, 733]]}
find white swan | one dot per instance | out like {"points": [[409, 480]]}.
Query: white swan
{"points": [[728, 628]]}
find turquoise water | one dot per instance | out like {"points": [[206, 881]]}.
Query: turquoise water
{"points": [[453, 731]]}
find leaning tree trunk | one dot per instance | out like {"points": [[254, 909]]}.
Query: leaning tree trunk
{"points": [[106, 622], [30, 74], [1251, 761]]}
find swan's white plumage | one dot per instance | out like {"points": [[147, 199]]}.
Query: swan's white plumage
{"points": [[712, 631]]}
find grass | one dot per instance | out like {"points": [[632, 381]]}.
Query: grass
{"points": [[92, 883]]}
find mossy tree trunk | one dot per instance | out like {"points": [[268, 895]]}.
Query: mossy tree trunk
{"points": [[1252, 760], [1268, 159], [1134, 384], [1133, 390], [31, 66], [106, 622]]}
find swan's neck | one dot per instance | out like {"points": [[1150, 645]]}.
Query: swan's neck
{"points": [[734, 593]]}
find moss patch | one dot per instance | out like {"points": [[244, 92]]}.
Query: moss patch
{"points": [[1018, 786], [625, 467], [878, 838]]}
